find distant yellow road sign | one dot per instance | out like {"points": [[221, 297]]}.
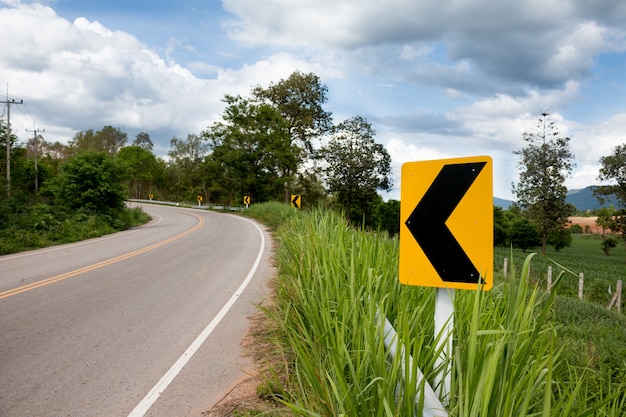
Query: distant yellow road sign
{"points": [[446, 223], [296, 201], [199, 198], [246, 200]]}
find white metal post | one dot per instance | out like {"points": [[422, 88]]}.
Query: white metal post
{"points": [[444, 325]]}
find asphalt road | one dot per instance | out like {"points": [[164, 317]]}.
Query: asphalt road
{"points": [[143, 322]]}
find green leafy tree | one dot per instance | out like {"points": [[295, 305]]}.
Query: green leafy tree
{"points": [[608, 243], [500, 226], [142, 168], [560, 238], [524, 235], [252, 153], [606, 218], [91, 181], [185, 166], [143, 141], [544, 165], [613, 170], [356, 167], [109, 140], [299, 99], [389, 217]]}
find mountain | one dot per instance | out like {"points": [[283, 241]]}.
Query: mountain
{"points": [[583, 199], [500, 202]]}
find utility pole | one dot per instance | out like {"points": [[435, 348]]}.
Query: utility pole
{"points": [[36, 145], [8, 103]]}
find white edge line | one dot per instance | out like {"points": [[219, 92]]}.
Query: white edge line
{"points": [[142, 408]]}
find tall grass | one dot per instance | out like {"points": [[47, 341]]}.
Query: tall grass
{"points": [[507, 359]]}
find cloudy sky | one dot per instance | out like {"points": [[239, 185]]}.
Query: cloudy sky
{"points": [[435, 78]]}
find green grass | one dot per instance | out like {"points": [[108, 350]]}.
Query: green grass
{"points": [[513, 353]]}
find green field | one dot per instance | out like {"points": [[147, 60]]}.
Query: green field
{"points": [[584, 255]]}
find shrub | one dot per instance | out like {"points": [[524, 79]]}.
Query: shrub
{"points": [[608, 243]]}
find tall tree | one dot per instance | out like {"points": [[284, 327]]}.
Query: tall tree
{"points": [[143, 141], [544, 164], [356, 167], [92, 181], [186, 156], [142, 169], [613, 171], [109, 139], [252, 148], [299, 99]]}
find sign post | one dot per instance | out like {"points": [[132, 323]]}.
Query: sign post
{"points": [[296, 201], [246, 200], [446, 237]]}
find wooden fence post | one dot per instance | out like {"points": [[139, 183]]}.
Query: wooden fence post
{"points": [[617, 297], [549, 278], [581, 284], [506, 260]]}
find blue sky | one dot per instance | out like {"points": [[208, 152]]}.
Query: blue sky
{"points": [[436, 78]]}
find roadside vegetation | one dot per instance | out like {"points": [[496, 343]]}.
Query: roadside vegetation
{"points": [[517, 349]]}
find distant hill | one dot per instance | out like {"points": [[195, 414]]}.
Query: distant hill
{"points": [[582, 199], [505, 204]]}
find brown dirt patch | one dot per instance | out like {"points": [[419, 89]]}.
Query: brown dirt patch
{"points": [[587, 223]]}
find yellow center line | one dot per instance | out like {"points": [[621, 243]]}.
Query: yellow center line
{"points": [[57, 278]]}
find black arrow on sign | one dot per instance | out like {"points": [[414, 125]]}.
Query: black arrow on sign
{"points": [[295, 201], [427, 223]]}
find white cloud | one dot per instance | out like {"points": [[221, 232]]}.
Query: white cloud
{"points": [[529, 42], [84, 76]]}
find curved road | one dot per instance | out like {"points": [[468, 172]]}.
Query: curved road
{"points": [[143, 322]]}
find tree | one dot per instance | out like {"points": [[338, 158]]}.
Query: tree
{"points": [[613, 169], [544, 165], [251, 149], [356, 167], [185, 166], [299, 100], [142, 169], [560, 238], [91, 181], [523, 234], [143, 141], [389, 217], [109, 140], [500, 226]]}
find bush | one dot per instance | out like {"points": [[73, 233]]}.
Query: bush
{"points": [[576, 229], [524, 234], [608, 243], [559, 239]]}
